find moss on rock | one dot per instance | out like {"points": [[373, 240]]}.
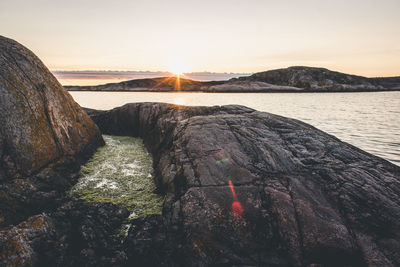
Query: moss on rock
{"points": [[120, 173]]}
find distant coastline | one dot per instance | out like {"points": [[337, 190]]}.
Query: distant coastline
{"points": [[293, 79], [100, 77]]}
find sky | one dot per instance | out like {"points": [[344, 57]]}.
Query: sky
{"points": [[353, 36]]}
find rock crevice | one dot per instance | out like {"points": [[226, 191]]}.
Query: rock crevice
{"points": [[307, 197]]}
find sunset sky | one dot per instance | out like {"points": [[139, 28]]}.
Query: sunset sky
{"points": [[354, 36]]}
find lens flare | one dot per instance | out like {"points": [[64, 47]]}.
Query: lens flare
{"points": [[237, 208], [178, 82]]}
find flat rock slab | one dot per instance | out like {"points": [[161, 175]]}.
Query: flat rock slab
{"points": [[298, 196]]}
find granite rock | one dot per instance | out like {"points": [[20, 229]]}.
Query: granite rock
{"points": [[251, 188], [44, 135], [40, 121], [76, 234]]}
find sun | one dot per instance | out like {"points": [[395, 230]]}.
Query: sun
{"points": [[178, 68]]}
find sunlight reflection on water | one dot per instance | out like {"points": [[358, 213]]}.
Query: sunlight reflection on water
{"points": [[367, 120]]}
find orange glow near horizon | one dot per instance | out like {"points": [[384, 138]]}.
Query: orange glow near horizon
{"points": [[178, 82], [178, 68], [236, 206], [168, 80], [182, 36]]}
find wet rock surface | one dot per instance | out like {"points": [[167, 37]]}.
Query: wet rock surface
{"points": [[299, 196]]}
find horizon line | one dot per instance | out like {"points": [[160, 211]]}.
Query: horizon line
{"points": [[209, 72], [148, 71]]}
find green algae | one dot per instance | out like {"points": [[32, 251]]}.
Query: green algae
{"points": [[120, 172]]}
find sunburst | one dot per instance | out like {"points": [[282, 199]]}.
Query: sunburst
{"points": [[178, 68]]}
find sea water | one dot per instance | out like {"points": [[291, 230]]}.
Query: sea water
{"points": [[370, 121]]}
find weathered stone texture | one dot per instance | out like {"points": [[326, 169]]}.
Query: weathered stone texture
{"points": [[307, 197], [39, 121]]}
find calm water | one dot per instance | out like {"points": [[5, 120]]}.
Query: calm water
{"points": [[370, 121]]}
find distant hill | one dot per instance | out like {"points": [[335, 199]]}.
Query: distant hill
{"points": [[387, 82], [152, 84], [292, 79], [84, 77]]}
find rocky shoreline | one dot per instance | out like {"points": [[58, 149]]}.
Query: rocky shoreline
{"points": [[241, 187], [297, 79], [307, 197]]}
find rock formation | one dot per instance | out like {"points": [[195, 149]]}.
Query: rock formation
{"points": [[76, 234], [43, 135], [251, 188], [241, 187], [292, 79], [310, 78], [40, 122], [166, 84]]}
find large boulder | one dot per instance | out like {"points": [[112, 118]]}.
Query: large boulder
{"points": [[40, 122], [44, 135], [251, 188]]}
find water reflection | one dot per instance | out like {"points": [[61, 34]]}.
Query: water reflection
{"points": [[367, 120], [179, 101]]}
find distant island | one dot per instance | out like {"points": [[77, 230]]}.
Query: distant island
{"points": [[97, 75], [292, 79]]}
